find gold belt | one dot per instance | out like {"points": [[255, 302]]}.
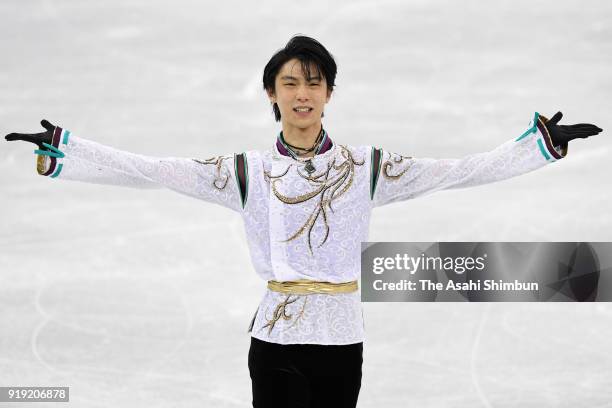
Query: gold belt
{"points": [[305, 286]]}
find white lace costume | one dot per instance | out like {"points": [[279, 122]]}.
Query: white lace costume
{"points": [[302, 226]]}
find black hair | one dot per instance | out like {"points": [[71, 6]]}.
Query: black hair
{"points": [[308, 51]]}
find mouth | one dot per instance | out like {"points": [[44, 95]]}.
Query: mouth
{"points": [[302, 111]]}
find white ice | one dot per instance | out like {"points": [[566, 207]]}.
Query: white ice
{"points": [[139, 298]]}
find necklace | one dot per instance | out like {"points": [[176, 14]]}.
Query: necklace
{"points": [[317, 145], [316, 142]]}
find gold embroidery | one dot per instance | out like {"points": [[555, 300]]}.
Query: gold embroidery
{"points": [[218, 161], [280, 311], [267, 175], [397, 160], [299, 316], [302, 287], [326, 188]]}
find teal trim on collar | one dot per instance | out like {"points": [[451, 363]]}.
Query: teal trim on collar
{"points": [[323, 140], [533, 129], [66, 136], [280, 139]]}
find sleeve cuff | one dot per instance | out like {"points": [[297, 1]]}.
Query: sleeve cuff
{"points": [[537, 126], [558, 152], [49, 161]]}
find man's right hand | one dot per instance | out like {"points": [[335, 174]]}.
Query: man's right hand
{"points": [[36, 138]]}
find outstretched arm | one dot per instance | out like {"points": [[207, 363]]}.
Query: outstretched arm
{"points": [[66, 156], [397, 178]]}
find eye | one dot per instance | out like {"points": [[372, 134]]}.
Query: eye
{"points": [[289, 84], [315, 84]]}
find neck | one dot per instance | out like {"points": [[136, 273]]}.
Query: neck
{"points": [[302, 137]]}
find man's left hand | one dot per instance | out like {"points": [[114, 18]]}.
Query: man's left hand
{"points": [[561, 134]]}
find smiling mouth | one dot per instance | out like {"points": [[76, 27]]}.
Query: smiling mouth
{"points": [[302, 110]]}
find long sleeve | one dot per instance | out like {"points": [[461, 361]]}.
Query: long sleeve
{"points": [[395, 177], [74, 158]]}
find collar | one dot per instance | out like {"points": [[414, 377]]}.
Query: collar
{"points": [[325, 146]]}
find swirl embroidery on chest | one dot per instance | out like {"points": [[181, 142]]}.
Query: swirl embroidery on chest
{"points": [[327, 188], [388, 164], [218, 162]]}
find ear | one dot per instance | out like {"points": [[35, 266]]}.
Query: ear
{"points": [[329, 94], [271, 95]]}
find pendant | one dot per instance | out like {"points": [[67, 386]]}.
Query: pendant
{"points": [[309, 167]]}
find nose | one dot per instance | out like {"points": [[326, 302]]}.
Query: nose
{"points": [[302, 93]]}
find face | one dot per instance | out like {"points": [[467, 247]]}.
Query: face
{"points": [[294, 90]]}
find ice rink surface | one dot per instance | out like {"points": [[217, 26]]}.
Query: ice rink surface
{"points": [[138, 298]]}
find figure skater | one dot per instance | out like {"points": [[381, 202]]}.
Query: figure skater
{"points": [[306, 204]]}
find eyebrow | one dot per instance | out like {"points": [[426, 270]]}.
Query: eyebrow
{"points": [[292, 78]]}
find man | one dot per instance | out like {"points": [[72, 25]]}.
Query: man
{"points": [[306, 205]]}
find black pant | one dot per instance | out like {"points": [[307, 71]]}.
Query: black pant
{"points": [[305, 375]]}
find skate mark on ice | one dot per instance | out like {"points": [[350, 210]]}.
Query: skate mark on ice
{"points": [[474, 354]]}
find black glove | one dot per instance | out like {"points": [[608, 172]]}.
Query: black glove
{"points": [[561, 134], [39, 139]]}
